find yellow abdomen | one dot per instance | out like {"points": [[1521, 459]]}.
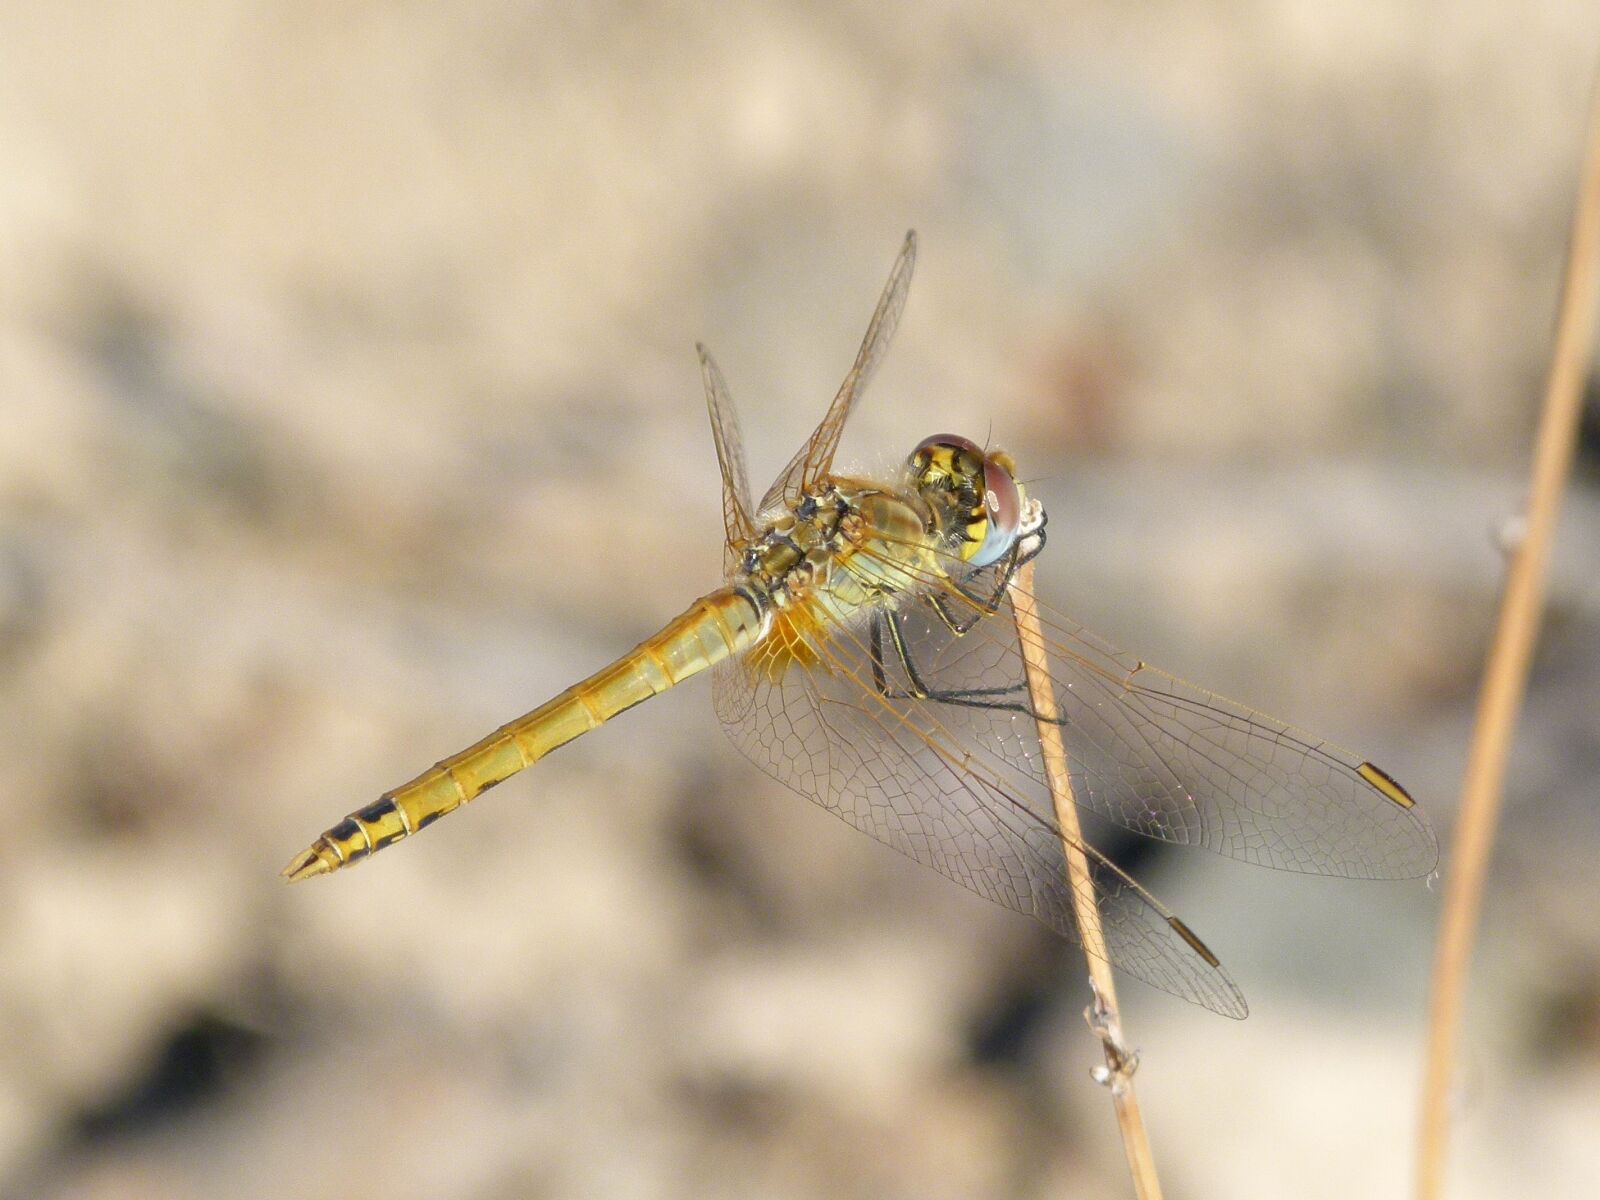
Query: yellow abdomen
{"points": [[717, 626]]}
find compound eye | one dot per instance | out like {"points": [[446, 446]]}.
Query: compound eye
{"points": [[1002, 505], [949, 461], [946, 441]]}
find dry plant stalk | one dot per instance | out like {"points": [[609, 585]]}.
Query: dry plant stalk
{"points": [[1506, 674], [1105, 1019]]}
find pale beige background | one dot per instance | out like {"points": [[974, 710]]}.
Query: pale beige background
{"points": [[348, 408]]}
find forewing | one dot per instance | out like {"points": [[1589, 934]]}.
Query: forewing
{"points": [[736, 522], [811, 463], [1157, 755], [892, 768]]}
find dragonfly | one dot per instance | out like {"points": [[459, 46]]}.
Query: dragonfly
{"points": [[863, 652]]}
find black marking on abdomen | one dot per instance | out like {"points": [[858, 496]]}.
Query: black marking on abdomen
{"points": [[376, 811], [352, 839]]}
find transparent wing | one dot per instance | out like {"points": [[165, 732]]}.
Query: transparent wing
{"points": [[1149, 751], [812, 462], [736, 522], [892, 767]]}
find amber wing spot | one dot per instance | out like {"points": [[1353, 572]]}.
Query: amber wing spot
{"points": [[1385, 783], [791, 641]]}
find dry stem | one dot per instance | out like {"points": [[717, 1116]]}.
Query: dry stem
{"points": [[1505, 677], [1104, 1017]]}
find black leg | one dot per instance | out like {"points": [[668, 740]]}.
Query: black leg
{"points": [[990, 698], [875, 648], [1024, 551]]}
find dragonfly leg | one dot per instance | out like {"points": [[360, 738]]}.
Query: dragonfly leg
{"points": [[875, 649], [992, 698], [1027, 549]]}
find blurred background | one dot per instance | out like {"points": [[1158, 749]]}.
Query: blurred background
{"points": [[350, 409]]}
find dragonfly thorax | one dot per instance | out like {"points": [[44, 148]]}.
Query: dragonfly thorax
{"points": [[793, 548], [846, 549], [845, 545]]}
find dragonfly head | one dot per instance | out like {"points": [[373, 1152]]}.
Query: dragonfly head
{"points": [[975, 490]]}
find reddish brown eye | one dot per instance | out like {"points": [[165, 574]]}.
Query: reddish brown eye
{"points": [[1002, 504], [952, 440]]}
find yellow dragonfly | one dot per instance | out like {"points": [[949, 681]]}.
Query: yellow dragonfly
{"points": [[863, 652]]}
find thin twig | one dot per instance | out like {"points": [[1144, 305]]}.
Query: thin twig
{"points": [[1104, 1018], [1506, 675]]}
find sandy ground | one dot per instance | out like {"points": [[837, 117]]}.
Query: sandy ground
{"points": [[348, 408]]}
